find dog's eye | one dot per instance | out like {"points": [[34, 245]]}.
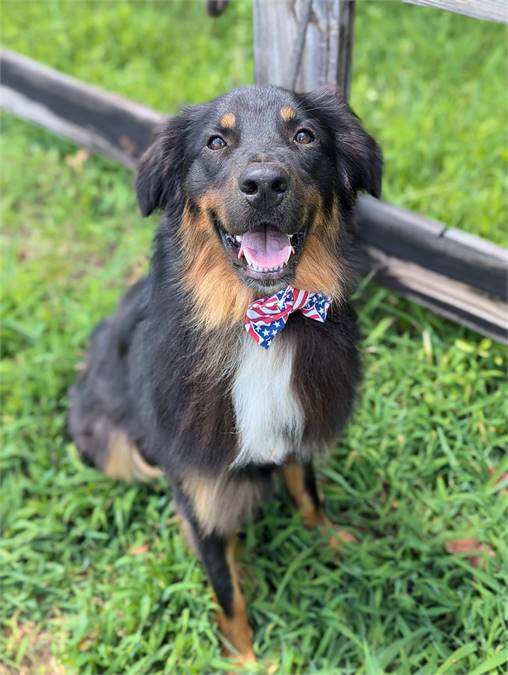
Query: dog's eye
{"points": [[303, 136], [216, 143]]}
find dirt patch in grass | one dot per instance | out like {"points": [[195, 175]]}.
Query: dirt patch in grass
{"points": [[31, 652]]}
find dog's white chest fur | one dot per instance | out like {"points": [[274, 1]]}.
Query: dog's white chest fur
{"points": [[269, 417]]}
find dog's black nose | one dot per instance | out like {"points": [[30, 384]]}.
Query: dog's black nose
{"points": [[264, 185]]}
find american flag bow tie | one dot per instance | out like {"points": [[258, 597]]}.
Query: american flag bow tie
{"points": [[268, 316]]}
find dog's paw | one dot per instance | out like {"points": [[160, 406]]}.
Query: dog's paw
{"points": [[337, 537], [334, 535], [238, 636]]}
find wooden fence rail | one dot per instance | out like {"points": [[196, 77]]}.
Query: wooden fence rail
{"points": [[488, 10]]}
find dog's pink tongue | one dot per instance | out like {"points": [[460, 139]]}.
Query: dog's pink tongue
{"points": [[266, 249]]}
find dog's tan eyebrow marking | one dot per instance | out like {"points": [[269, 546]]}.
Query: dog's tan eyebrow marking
{"points": [[228, 120], [287, 113]]}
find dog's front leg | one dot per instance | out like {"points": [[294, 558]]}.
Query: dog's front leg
{"points": [[218, 556], [301, 484], [232, 619]]}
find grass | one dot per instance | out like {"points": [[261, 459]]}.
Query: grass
{"points": [[95, 575]]}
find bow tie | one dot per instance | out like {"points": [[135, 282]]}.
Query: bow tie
{"points": [[268, 316]]}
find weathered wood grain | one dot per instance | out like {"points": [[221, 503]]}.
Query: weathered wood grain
{"points": [[325, 57], [457, 255], [490, 10], [84, 114], [452, 299]]}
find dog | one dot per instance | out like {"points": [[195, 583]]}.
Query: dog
{"points": [[237, 357]]}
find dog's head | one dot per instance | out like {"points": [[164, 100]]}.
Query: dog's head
{"points": [[264, 179]]}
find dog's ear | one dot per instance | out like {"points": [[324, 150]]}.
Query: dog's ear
{"points": [[158, 181], [358, 156]]}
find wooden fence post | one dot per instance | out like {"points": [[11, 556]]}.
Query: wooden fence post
{"points": [[303, 44]]}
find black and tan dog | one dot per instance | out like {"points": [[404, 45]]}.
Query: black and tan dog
{"points": [[256, 190]]}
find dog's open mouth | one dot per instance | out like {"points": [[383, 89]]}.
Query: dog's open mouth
{"points": [[266, 251], [264, 255]]}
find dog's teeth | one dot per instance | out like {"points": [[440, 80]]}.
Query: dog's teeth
{"points": [[257, 268], [238, 238], [291, 252]]}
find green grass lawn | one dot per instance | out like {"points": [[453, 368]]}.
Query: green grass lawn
{"points": [[95, 577]]}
